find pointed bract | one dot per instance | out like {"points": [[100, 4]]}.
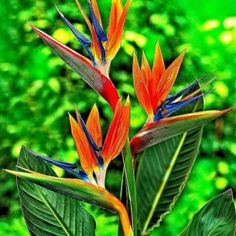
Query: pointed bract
{"points": [[90, 74], [80, 190]]}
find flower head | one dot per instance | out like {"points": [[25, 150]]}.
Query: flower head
{"points": [[102, 47], [95, 155], [153, 86]]}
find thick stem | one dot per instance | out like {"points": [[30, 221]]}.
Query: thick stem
{"points": [[130, 184], [123, 216]]}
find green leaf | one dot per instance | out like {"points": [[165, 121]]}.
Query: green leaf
{"points": [[216, 218], [79, 190], [162, 174], [47, 212]]}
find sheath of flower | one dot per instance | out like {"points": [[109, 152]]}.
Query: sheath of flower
{"points": [[152, 86], [101, 48], [95, 156]]}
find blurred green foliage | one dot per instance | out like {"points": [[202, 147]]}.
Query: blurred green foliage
{"points": [[37, 90]]}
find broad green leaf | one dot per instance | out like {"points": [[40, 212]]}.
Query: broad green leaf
{"points": [[79, 190], [90, 74], [162, 173], [216, 218], [47, 212]]}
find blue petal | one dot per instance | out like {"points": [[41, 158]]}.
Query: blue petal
{"points": [[65, 166], [81, 175], [178, 105], [99, 31], [85, 42], [172, 107], [89, 137], [60, 164], [100, 161], [158, 115], [182, 92]]}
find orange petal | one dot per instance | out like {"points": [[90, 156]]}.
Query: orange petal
{"points": [[147, 74], [113, 44], [157, 71], [87, 159], [84, 15], [115, 13], [117, 132], [141, 88], [96, 11], [93, 126], [95, 45], [167, 80]]}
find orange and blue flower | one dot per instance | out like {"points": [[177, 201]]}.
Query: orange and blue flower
{"points": [[102, 47], [95, 156], [153, 86]]}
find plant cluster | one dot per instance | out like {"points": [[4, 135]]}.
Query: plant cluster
{"points": [[156, 161]]}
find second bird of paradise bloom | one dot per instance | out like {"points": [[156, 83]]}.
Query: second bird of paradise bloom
{"points": [[152, 88], [95, 157]]}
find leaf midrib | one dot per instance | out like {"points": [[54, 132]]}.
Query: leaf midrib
{"points": [[164, 182], [45, 201]]}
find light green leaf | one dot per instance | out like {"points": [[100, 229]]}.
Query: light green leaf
{"points": [[216, 218], [47, 212]]}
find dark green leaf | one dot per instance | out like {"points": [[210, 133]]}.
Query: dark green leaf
{"points": [[162, 173], [216, 218], [47, 212]]}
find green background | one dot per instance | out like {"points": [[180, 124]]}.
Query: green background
{"points": [[37, 91]]}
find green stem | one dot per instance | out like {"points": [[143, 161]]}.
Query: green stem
{"points": [[130, 184]]}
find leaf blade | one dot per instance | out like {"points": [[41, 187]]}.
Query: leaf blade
{"points": [[216, 218], [48, 212], [163, 171]]}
